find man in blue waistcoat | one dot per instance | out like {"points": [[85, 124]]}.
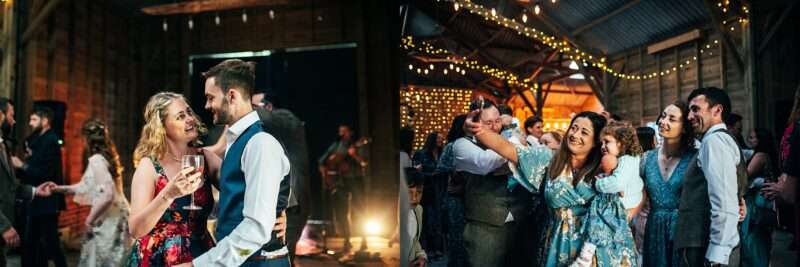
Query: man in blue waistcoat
{"points": [[252, 176]]}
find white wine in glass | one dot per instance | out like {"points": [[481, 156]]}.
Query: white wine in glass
{"points": [[197, 162]]}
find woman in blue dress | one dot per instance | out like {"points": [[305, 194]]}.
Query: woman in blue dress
{"points": [[569, 176], [663, 169]]}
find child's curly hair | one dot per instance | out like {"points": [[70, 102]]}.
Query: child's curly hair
{"points": [[626, 137]]}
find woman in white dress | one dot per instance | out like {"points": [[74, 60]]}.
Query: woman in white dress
{"points": [[106, 240]]}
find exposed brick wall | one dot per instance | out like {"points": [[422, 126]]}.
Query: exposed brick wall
{"points": [[99, 60]]}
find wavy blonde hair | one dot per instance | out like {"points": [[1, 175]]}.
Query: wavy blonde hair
{"points": [[153, 139]]}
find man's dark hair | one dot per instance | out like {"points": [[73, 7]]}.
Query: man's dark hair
{"points": [[714, 96], [504, 110], [732, 119], [234, 73], [406, 139], [531, 121], [44, 113], [4, 104], [414, 178]]}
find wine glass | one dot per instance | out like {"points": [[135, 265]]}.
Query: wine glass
{"points": [[197, 162]]}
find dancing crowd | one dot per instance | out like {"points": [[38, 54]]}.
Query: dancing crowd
{"points": [[688, 191], [165, 222]]}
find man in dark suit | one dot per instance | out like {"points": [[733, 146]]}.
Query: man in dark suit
{"points": [[10, 191], [42, 165], [290, 131]]}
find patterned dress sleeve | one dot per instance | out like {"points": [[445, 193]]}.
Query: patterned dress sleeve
{"points": [[96, 186], [532, 162]]}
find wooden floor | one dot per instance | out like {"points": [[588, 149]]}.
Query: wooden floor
{"points": [[386, 256]]}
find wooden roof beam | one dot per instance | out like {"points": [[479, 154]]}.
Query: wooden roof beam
{"points": [[200, 6], [541, 66], [39, 20], [726, 36], [605, 17], [775, 27]]}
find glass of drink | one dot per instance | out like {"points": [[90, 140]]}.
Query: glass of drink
{"points": [[196, 162]]}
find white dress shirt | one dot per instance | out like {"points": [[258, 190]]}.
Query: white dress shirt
{"points": [[472, 159], [264, 164], [718, 157]]}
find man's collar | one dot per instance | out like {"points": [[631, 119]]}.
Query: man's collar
{"points": [[714, 128], [242, 124]]}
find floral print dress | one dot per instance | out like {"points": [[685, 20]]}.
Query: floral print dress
{"points": [[106, 242], [569, 204], [180, 235]]}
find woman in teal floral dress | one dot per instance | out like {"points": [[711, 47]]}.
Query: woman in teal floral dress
{"points": [[569, 190]]}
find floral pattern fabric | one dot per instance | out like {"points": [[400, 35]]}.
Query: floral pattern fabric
{"points": [[180, 234]]}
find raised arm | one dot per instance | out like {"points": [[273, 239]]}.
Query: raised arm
{"points": [[491, 140]]}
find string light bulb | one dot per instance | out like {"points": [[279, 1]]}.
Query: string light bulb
{"points": [[524, 18], [244, 16], [216, 19], [191, 23], [455, 5], [537, 9], [271, 14], [164, 25]]}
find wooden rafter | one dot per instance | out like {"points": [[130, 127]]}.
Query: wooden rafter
{"points": [[483, 44], [200, 6], [775, 27], [522, 95], [560, 31], [726, 36], [605, 17], [559, 77], [41, 17], [538, 69]]}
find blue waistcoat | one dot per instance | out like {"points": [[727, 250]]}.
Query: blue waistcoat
{"points": [[232, 187]]}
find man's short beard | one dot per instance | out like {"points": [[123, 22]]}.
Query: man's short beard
{"points": [[37, 130], [223, 116]]}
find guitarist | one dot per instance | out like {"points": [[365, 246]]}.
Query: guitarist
{"points": [[340, 167]]}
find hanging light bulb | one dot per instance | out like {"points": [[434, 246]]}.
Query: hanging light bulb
{"points": [[524, 18], [191, 23], [271, 14], [455, 6], [216, 19], [445, 71], [244, 16], [431, 66], [410, 67], [494, 12], [537, 9], [554, 1], [164, 25], [463, 72]]}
